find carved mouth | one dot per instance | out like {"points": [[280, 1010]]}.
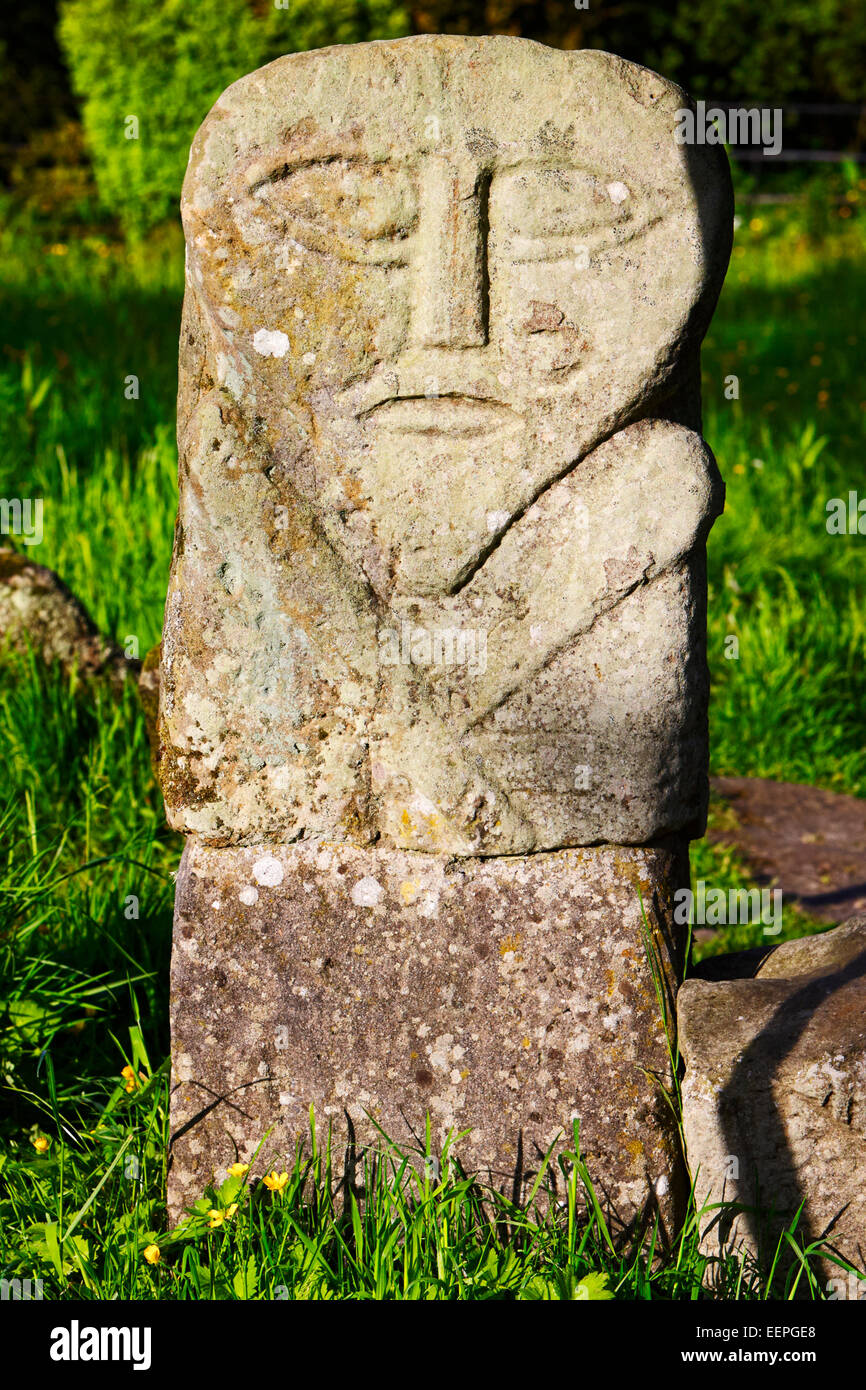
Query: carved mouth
{"points": [[452, 414]]}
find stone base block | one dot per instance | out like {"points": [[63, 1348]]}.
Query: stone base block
{"points": [[507, 996], [774, 1096]]}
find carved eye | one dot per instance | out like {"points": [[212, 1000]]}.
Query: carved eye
{"points": [[562, 214], [358, 212]]}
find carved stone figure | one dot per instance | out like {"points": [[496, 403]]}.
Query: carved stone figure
{"points": [[438, 589]]}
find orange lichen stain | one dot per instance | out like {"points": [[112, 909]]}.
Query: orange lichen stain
{"points": [[635, 1149], [408, 890], [526, 1042], [423, 830], [511, 943], [355, 820], [352, 489]]}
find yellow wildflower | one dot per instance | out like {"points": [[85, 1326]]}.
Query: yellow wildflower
{"points": [[129, 1076], [40, 1143], [237, 1170], [215, 1218], [152, 1254], [275, 1181]]}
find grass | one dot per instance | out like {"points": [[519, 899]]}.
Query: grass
{"points": [[419, 1228], [789, 705], [86, 881]]}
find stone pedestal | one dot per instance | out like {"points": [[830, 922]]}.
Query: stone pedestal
{"points": [[507, 996]]}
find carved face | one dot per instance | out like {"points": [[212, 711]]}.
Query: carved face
{"points": [[433, 259]]}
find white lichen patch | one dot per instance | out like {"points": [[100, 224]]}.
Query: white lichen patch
{"points": [[184, 1067], [617, 192], [268, 871], [367, 892], [613, 1020], [271, 342], [228, 375], [249, 896]]}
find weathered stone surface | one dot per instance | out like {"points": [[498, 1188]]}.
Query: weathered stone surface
{"points": [[148, 694], [39, 612], [505, 996], [776, 1080], [437, 604], [438, 579]]}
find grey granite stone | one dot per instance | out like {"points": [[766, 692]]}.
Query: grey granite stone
{"points": [[436, 618], [774, 1095], [438, 579], [508, 996]]}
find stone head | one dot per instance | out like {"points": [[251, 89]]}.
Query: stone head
{"points": [[450, 259]]}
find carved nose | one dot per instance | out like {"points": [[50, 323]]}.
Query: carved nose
{"points": [[450, 268]]}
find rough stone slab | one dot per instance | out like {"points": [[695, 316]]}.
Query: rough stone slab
{"points": [[439, 357], [504, 996], [776, 1079], [39, 612]]}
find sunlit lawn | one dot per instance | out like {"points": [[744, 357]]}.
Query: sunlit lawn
{"points": [[86, 889]]}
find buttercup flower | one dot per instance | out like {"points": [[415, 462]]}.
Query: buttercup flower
{"points": [[230, 1211], [275, 1181], [40, 1143], [215, 1218], [237, 1170], [152, 1254], [129, 1076]]}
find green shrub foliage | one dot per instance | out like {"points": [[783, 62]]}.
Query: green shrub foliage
{"points": [[147, 74]]}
